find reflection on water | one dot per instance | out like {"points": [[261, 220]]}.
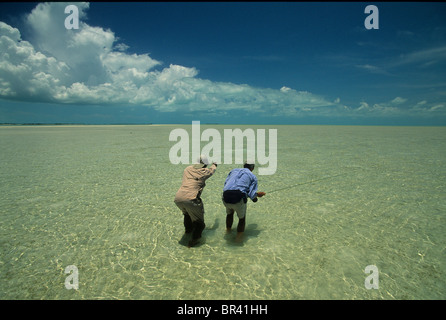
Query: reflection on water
{"points": [[101, 198]]}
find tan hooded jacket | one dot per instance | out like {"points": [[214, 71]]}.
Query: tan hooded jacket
{"points": [[194, 178]]}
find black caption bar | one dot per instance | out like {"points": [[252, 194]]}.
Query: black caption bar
{"points": [[223, 309]]}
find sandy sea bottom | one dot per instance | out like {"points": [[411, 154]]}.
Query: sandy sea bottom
{"points": [[101, 198]]}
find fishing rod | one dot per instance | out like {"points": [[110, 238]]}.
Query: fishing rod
{"points": [[308, 182]]}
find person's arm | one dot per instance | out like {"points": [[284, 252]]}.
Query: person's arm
{"points": [[252, 192], [258, 195], [209, 171]]}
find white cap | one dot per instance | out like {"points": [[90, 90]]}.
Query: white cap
{"points": [[203, 159]]}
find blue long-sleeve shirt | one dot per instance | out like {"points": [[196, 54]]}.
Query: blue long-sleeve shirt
{"points": [[242, 179]]}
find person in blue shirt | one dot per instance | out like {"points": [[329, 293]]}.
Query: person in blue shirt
{"points": [[240, 185]]}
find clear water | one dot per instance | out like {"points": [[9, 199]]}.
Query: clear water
{"points": [[101, 198]]}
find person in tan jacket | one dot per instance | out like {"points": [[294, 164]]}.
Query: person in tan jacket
{"points": [[188, 197]]}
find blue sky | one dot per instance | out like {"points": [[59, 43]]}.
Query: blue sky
{"points": [[253, 63]]}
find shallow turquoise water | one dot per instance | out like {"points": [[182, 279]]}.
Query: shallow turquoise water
{"points": [[101, 198]]}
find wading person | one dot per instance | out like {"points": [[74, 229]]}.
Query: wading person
{"points": [[188, 197], [240, 185]]}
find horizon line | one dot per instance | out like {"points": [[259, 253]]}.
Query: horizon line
{"points": [[207, 123]]}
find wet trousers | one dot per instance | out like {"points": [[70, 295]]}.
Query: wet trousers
{"points": [[193, 212]]}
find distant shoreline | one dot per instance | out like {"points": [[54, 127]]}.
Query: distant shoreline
{"points": [[73, 124], [6, 124]]}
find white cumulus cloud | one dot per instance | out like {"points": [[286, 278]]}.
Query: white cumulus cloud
{"points": [[91, 66]]}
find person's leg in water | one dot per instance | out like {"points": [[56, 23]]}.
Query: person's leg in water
{"points": [[187, 223], [197, 217], [229, 216], [229, 220], [241, 213], [240, 208], [241, 225], [240, 228], [198, 227]]}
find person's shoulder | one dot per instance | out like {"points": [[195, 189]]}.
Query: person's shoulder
{"points": [[249, 173], [235, 170], [192, 169]]}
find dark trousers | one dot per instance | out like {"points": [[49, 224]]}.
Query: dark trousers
{"points": [[195, 227]]}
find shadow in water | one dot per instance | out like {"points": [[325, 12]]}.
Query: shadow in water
{"points": [[233, 239], [185, 239], [211, 231], [208, 231]]}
